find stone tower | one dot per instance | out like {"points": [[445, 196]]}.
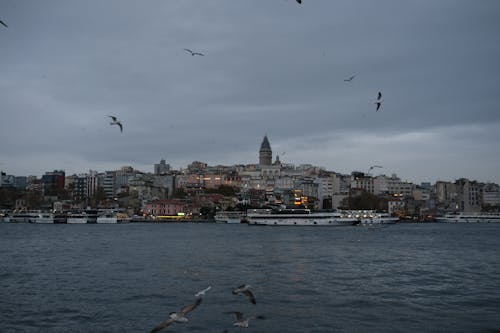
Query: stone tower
{"points": [[265, 152]]}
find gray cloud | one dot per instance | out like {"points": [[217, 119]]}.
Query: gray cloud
{"points": [[270, 67]]}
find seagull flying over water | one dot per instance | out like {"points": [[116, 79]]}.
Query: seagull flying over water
{"points": [[194, 53], [379, 100], [116, 122], [2, 23], [245, 290], [177, 317], [242, 321], [350, 78], [202, 292]]}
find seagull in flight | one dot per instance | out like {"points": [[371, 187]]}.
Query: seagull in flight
{"points": [[202, 292], [116, 122], [245, 290], [379, 100], [242, 321], [194, 53], [375, 166], [177, 317], [2, 23], [350, 78]]}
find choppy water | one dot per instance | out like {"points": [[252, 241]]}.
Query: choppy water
{"points": [[127, 278]]}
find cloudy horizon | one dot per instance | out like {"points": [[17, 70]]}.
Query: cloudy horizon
{"points": [[269, 67]]}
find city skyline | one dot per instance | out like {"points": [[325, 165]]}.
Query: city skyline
{"points": [[307, 75]]}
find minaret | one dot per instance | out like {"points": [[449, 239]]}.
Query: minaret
{"points": [[265, 152]]}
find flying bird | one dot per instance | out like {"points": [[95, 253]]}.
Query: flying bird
{"points": [[245, 290], [194, 53], [379, 100], [116, 122], [242, 321], [375, 166], [350, 78], [299, 1], [202, 292], [2, 23], [177, 317]]}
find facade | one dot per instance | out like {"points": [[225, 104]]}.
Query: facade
{"points": [[361, 181], [469, 195], [162, 168], [491, 195], [53, 182], [92, 183], [77, 186], [169, 207], [392, 185]]}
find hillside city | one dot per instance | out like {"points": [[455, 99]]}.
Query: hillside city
{"points": [[201, 190]]}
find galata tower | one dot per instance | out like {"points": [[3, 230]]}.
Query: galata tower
{"points": [[265, 152]]}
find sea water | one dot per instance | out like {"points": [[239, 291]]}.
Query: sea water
{"points": [[129, 277]]}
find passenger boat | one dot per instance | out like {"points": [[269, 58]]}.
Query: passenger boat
{"points": [[112, 217], [76, 218], [81, 217], [23, 217], [228, 217], [44, 218], [107, 218], [469, 218], [302, 217]]}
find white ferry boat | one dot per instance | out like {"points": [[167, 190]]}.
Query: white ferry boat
{"points": [[228, 217], [112, 217], [469, 218], [44, 218], [23, 217], [302, 217], [87, 216], [373, 217]]}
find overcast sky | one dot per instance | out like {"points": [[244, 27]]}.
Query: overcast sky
{"points": [[270, 67]]}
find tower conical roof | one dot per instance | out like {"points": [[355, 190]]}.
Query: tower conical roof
{"points": [[265, 146]]}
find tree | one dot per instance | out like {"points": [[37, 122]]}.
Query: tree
{"points": [[364, 201]]}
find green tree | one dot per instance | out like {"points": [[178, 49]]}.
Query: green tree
{"points": [[365, 201]]}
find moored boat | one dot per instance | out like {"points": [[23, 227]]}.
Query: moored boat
{"points": [[229, 217], [373, 217], [23, 217], [110, 217], [78, 218], [469, 218], [302, 217], [44, 218]]}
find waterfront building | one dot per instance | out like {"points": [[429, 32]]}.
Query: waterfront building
{"points": [[53, 182], [167, 207], [392, 186], [469, 195], [161, 168], [107, 182], [76, 185], [361, 181], [6, 180], [446, 195], [491, 195]]}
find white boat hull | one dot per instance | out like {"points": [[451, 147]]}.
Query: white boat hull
{"points": [[44, 220], [379, 220], [305, 218], [76, 220], [228, 217], [107, 220], [469, 218]]}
